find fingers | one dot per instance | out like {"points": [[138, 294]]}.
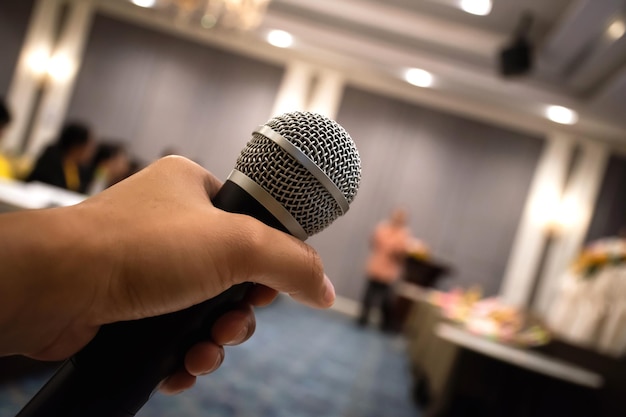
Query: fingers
{"points": [[178, 382], [204, 358], [234, 327], [259, 295]]}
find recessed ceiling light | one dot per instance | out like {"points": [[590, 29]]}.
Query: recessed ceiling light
{"points": [[616, 29], [419, 77], [144, 3], [280, 38], [562, 115], [477, 7]]}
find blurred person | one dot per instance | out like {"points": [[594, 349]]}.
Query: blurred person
{"points": [[6, 169], [64, 162], [109, 165], [389, 246], [135, 165], [127, 261]]}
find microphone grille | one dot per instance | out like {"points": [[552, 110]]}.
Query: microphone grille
{"points": [[324, 142]]}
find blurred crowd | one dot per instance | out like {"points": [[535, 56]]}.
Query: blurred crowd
{"points": [[76, 160]]}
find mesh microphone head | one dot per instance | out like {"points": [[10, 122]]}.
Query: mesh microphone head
{"points": [[325, 143]]}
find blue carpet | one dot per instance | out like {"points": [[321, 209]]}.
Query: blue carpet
{"points": [[300, 363]]}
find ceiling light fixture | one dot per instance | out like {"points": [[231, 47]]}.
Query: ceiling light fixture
{"points": [[144, 3], [616, 29], [280, 38], [418, 77], [477, 7], [562, 115]]}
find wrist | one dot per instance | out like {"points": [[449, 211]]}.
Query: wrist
{"points": [[48, 285]]}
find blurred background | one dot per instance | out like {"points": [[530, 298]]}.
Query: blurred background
{"points": [[496, 127]]}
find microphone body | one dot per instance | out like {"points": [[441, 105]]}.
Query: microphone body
{"points": [[94, 382], [298, 173]]}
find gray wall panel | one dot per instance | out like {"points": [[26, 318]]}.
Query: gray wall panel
{"points": [[155, 91], [14, 17]]}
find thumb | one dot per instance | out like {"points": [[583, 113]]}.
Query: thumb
{"points": [[282, 262]]}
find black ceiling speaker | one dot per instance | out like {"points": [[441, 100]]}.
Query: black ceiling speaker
{"points": [[516, 58]]}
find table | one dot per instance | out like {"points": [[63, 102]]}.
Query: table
{"points": [[481, 377], [522, 358], [18, 195], [460, 374]]}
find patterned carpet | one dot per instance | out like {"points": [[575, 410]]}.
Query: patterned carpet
{"points": [[300, 363]]}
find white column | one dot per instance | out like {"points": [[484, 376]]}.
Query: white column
{"points": [[30, 70], [543, 199], [62, 71], [575, 215], [294, 90], [327, 93]]}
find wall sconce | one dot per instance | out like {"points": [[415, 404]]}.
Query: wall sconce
{"points": [[58, 67], [555, 214]]}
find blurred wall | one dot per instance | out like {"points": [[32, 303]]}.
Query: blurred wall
{"points": [[610, 212], [464, 183], [14, 16], [156, 91]]}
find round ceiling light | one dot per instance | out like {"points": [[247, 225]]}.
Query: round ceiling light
{"points": [[477, 7], [562, 115], [419, 77], [280, 38]]}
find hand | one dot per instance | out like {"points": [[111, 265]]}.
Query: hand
{"points": [[233, 328], [150, 245]]}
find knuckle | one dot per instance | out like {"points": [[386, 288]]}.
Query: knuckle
{"points": [[248, 241], [314, 261], [177, 163], [252, 234]]}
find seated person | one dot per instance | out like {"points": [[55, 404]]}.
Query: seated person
{"points": [[63, 163], [6, 170], [109, 165]]}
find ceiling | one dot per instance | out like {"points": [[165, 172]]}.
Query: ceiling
{"points": [[577, 64]]}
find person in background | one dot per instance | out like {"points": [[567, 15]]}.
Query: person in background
{"points": [[389, 245], [110, 164], [63, 163], [6, 170]]}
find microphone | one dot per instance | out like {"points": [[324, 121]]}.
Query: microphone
{"points": [[298, 173]]}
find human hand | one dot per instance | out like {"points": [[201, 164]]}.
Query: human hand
{"points": [[150, 245], [232, 328]]}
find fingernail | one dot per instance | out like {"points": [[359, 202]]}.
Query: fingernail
{"points": [[220, 359], [240, 337], [329, 292], [217, 364]]}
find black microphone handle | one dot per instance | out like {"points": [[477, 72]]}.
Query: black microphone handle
{"points": [[117, 372]]}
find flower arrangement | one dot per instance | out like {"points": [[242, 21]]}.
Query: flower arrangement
{"points": [[599, 255], [491, 318]]}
